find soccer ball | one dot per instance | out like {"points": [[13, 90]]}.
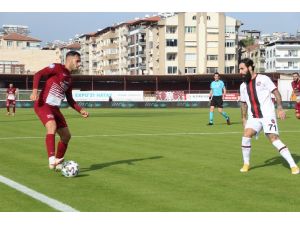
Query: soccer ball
{"points": [[70, 169]]}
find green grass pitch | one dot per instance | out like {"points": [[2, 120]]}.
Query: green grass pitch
{"points": [[149, 160]]}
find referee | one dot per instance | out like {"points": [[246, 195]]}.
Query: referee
{"points": [[216, 94]]}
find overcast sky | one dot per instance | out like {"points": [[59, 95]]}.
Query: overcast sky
{"points": [[63, 26]]}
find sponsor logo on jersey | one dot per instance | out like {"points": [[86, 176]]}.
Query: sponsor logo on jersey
{"points": [[272, 120], [50, 116], [51, 66]]}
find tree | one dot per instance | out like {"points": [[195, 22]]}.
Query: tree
{"points": [[247, 42]]}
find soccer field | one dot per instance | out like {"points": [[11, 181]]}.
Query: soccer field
{"points": [[149, 160]]}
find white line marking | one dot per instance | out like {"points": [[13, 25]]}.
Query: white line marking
{"points": [[38, 196], [153, 134]]}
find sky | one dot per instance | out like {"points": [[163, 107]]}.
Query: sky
{"points": [[50, 26]]}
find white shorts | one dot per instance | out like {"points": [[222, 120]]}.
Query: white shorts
{"points": [[269, 125]]}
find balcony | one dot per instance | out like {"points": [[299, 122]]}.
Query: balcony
{"points": [[290, 46], [142, 42], [288, 68], [141, 53]]}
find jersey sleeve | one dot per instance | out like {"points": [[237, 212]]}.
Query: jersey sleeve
{"points": [[269, 84], [71, 100], [46, 72], [223, 85]]}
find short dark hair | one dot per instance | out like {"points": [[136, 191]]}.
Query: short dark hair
{"points": [[216, 73], [248, 62], [72, 53], [296, 73]]}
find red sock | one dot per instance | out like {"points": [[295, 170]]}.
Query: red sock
{"points": [[61, 149], [7, 109], [50, 144], [14, 109]]}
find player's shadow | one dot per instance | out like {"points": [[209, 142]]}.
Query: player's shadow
{"points": [[108, 164], [277, 160]]}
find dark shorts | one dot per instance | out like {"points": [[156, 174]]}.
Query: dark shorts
{"points": [[10, 102], [47, 112], [297, 107], [217, 101]]}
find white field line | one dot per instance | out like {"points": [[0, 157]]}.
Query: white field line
{"points": [[149, 134], [38, 196]]}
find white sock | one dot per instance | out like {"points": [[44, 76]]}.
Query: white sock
{"points": [[246, 149], [284, 152], [51, 160]]}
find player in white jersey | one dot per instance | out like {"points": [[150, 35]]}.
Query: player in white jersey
{"points": [[258, 113]]}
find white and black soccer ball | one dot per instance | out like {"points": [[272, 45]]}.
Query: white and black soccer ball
{"points": [[70, 169]]}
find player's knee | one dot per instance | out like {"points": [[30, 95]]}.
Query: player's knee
{"points": [[66, 138], [51, 127], [298, 115], [273, 137]]}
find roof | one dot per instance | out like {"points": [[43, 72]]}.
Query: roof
{"points": [[73, 46], [150, 19], [19, 37]]}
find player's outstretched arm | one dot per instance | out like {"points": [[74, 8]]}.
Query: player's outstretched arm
{"points": [[74, 104]]}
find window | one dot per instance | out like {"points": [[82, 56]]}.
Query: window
{"points": [[194, 17], [229, 56], [190, 29], [172, 69], [229, 43], [229, 69], [171, 42], [171, 56], [212, 57], [212, 44], [291, 64], [230, 30], [28, 44], [212, 69], [190, 57], [171, 29], [19, 43], [208, 17], [190, 70], [292, 53], [9, 43]]}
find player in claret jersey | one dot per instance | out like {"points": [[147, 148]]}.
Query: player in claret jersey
{"points": [[58, 85], [296, 91], [11, 99]]}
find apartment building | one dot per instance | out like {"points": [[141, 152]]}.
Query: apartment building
{"points": [[175, 43], [21, 54], [193, 43], [257, 53], [143, 46], [109, 49], [88, 46], [283, 56], [18, 41]]}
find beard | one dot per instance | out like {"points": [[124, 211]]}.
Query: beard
{"points": [[247, 77]]}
